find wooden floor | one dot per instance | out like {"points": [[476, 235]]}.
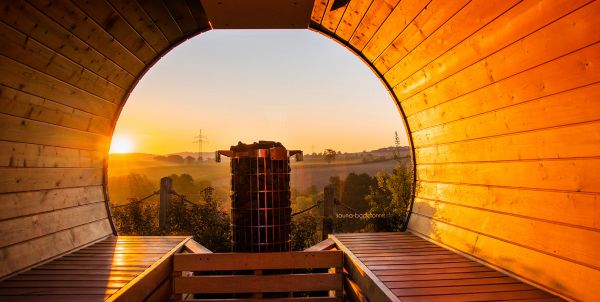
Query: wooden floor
{"points": [[101, 271], [414, 269]]}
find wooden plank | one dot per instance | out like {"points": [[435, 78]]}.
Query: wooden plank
{"points": [[318, 11], [199, 14], [21, 155], [417, 264], [258, 284], [547, 205], [30, 52], [395, 24], [116, 262], [425, 284], [16, 129], [22, 255], [558, 142], [20, 104], [182, 15], [141, 22], [530, 99], [195, 247], [115, 25], [252, 261], [332, 17], [372, 288], [441, 276], [324, 245], [404, 242], [460, 289], [377, 13], [121, 267], [401, 254], [498, 39], [33, 202], [399, 258], [392, 262], [435, 14], [162, 18], [461, 25], [56, 291], [25, 228], [29, 20], [69, 277], [404, 250], [399, 245], [574, 244], [573, 279], [353, 292], [418, 270], [144, 284], [557, 113], [122, 251], [29, 179], [21, 77], [61, 284], [352, 17], [543, 174], [162, 293], [398, 268], [506, 296], [55, 298], [39, 271], [551, 63], [68, 15], [118, 256]]}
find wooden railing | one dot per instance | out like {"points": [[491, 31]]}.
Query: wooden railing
{"points": [[290, 276]]}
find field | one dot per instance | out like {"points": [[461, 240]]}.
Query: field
{"points": [[304, 174]]}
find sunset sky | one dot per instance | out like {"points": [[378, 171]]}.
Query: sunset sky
{"points": [[293, 86]]}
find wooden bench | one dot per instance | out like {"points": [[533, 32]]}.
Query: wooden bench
{"points": [[118, 268], [407, 268]]}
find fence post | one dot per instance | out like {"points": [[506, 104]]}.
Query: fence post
{"points": [[329, 195], [165, 196]]}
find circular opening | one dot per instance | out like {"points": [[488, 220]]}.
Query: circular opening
{"points": [[291, 86]]}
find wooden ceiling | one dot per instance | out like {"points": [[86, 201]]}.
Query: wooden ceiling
{"points": [[500, 99]]}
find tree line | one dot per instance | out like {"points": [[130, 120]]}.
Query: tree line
{"points": [[386, 195]]}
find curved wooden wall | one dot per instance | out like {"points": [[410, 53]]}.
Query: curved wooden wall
{"points": [[66, 69], [501, 99]]}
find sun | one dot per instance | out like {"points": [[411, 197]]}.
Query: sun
{"points": [[121, 144]]}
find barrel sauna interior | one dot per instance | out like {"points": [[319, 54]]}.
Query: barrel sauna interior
{"points": [[500, 100]]}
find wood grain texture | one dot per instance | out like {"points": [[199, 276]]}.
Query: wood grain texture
{"points": [[424, 276], [65, 70], [124, 278]]}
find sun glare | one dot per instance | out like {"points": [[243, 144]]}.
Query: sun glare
{"points": [[121, 144]]}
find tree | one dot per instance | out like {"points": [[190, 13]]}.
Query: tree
{"points": [[189, 160], [304, 231], [397, 146], [175, 159], [160, 158], [329, 155], [390, 197], [204, 218]]}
